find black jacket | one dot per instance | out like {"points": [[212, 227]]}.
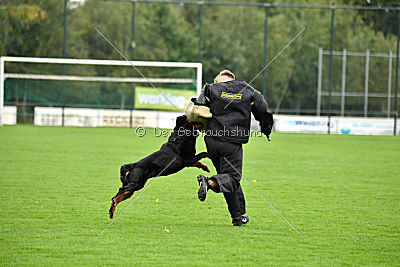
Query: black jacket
{"points": [[230, 105]]}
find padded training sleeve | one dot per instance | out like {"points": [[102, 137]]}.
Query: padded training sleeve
{"points": [[201, 99]]}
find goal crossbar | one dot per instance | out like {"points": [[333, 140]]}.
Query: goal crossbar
{"points": [[94, 78], [102, 62]]}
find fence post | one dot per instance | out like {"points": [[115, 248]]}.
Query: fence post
{"points": [[319, 84], [64, 56], [2, 80], [331, 68], [133, 45], [344, 59], [200, 32], [397, 74], [264, 87], [366, 84], [389, 83]]}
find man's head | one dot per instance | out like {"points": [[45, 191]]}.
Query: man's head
{"points": [[224, 76]]}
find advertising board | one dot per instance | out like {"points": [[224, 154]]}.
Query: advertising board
{"points": [[150, 98]]}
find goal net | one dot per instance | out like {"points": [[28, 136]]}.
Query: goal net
{"points": [[61, 84]]}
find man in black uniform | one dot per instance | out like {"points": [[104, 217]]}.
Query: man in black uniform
{"points": [[231, 103]]}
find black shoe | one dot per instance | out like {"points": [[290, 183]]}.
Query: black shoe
{"points": [[240, 221], [203, 187]]}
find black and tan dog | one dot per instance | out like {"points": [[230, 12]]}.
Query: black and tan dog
{"points": [[179, 152]]}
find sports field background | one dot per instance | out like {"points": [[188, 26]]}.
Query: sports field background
{"points": [[341, 192]]}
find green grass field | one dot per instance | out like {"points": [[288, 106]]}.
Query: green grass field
{"points": [[341, 192]]}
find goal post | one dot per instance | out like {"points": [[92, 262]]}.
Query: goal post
{"points": [[137, 79], [1, 89]]}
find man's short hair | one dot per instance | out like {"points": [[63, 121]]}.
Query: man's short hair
{"points": [[225, 73]]}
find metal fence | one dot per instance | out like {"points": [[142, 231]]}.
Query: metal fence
{"points": [[277, 7], [383, 90]]}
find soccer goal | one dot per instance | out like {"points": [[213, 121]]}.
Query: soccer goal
{"points": [[104, 84]]}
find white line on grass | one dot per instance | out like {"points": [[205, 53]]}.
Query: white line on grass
{"points": [[144, 189], [280, 214], [269, 63], [134, 67]]}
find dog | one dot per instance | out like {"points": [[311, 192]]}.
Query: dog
{"points": [[177, 153]]}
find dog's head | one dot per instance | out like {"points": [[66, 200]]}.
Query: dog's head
{"points": [[182, 122], [184, 134], [132, 174], [124, 173], [128, 173]]}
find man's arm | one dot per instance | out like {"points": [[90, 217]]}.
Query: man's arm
{"points": [[203, 98], [262, 113]]}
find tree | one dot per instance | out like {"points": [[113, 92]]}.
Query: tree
{"points": [[383, 21]]}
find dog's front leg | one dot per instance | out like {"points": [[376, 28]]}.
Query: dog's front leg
{"points": [[123, 194], [200, 156], [195, 162]]}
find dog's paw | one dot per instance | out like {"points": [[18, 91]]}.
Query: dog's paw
{"points": [[205, 168], [202, 166]]}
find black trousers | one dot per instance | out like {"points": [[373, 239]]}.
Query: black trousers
{"points": [[228, 160]]}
